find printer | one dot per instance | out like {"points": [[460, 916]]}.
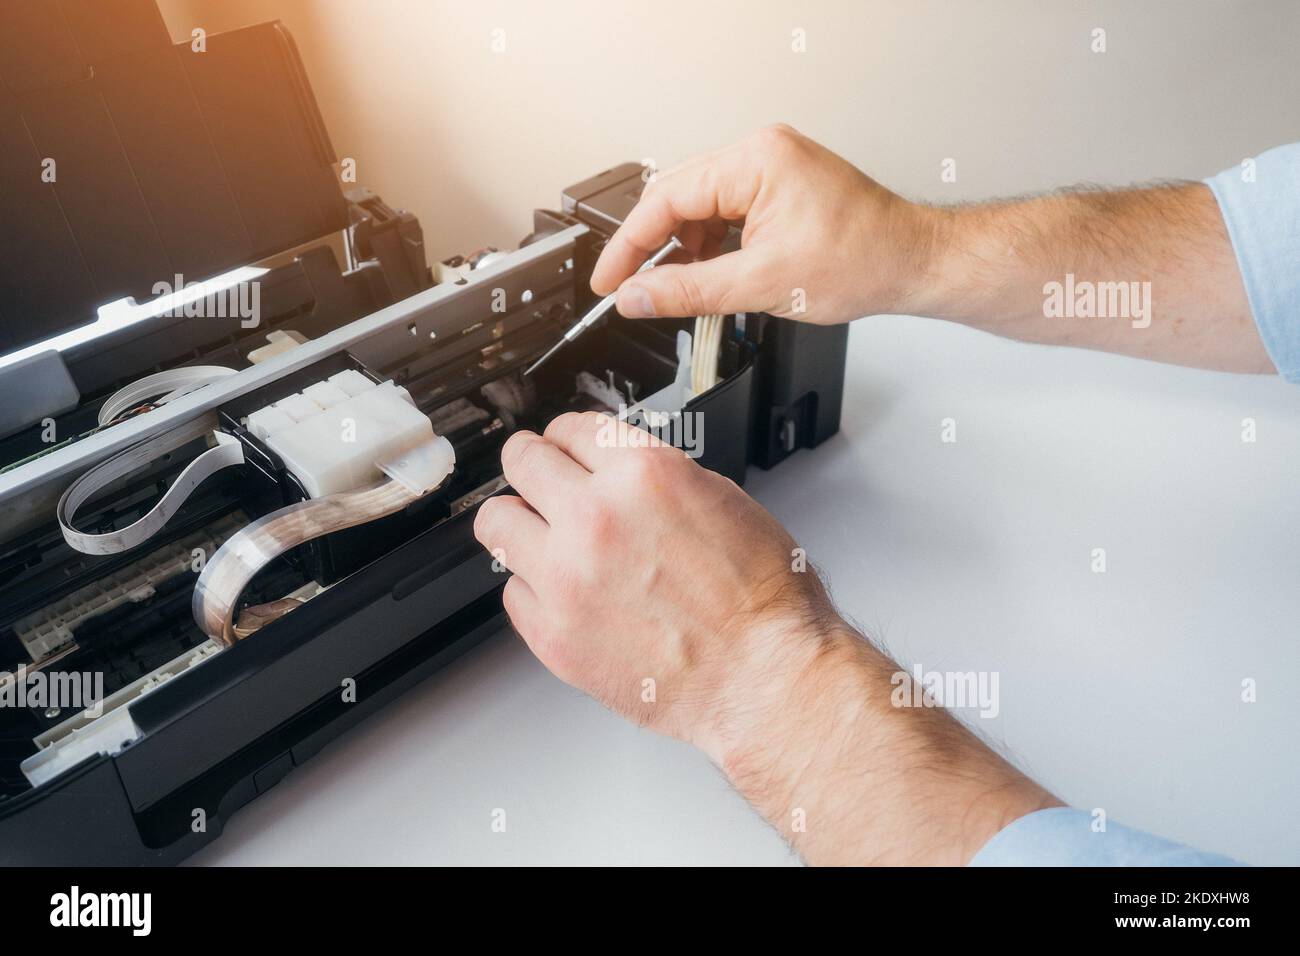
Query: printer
{"points": [[246, 421]]}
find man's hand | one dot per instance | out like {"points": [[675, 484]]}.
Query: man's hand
{"points": [[823, 243], [655, 585], [668, 594]]}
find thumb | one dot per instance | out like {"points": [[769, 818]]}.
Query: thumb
{"points": [[697, 288]]}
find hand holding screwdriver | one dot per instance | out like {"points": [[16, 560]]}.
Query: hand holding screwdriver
{"points": [[604, 305]]}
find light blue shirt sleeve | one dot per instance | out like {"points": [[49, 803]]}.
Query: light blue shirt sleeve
{"points": [[1063, 836], [1260, 202]]}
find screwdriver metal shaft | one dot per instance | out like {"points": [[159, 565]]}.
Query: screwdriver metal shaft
{"points": [[603, 306]]}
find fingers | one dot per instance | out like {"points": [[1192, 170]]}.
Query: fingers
{"points": [[726, 284], [523, 608], [512, 533], [545, 476], [721, 186], [594, 440]]}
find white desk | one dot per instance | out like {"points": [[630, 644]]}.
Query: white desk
{"points": [[1119, 690]]}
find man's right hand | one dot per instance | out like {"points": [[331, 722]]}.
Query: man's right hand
{"points": [[821, 242]]}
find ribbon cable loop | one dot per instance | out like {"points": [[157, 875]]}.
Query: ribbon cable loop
{"points": [[228, 451]]}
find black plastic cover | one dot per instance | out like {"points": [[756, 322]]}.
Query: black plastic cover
{"points": [[166, 161]]}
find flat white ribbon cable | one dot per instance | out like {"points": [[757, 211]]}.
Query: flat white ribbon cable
{"points": [[411, 475], [228, 451], [250, 549], [170, 385], [708, 346], [400, 438]]}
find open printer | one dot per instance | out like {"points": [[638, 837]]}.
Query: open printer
{"points": [[245, 423]]}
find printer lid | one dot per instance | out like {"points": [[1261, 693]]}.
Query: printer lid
{"points": [[126, 161]]}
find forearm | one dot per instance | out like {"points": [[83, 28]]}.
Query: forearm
{"points": [[1143, 272], [849, 778]]}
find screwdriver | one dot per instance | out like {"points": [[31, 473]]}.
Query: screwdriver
{"points": [[604, 305]]}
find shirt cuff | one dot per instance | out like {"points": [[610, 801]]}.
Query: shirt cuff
{"points": [[1064, 836], [1260, 203]]}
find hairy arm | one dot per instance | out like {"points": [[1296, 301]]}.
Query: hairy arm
{"points": [[671, 597], [850, 778], [1145, 272]]}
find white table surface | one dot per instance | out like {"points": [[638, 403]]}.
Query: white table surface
{"points": [[1119, 690]]}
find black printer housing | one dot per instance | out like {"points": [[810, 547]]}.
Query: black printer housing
{"points": [[409, 596]]}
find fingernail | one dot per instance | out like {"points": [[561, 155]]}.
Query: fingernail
{"points": [[634, 303]]}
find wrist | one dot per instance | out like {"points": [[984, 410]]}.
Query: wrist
{"points": [[937, 282], [810, 683], [849, 776], [958, 266], [784, 658]]}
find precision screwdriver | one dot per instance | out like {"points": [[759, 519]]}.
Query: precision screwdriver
{"points": [[603, 306]]}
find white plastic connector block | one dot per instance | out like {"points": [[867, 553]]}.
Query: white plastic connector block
{"points": [[298, 407], [263, 422], [373, 431], [352, 381], [326, 394]]}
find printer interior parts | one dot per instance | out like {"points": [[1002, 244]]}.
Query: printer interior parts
{"points": [[247, 424]]}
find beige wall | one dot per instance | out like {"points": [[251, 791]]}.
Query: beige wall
{"points": [[471, 140]]}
